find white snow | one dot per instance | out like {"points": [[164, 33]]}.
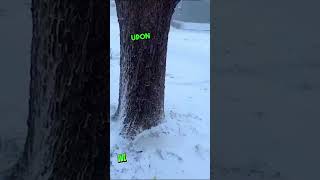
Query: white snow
{"points": [[179, 148], [192, 25]]}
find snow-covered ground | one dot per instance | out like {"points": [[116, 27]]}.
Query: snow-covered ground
{"points": [[190, 25], [179, 148]]}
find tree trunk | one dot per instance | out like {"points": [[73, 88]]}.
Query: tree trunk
{"points": [[142, 62], [67, 122]]}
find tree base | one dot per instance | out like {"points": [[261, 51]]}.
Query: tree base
{"points": [[131, 128]]}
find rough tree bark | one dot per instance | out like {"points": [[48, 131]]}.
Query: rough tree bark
{"points": [[142, 62], [67, 122]]}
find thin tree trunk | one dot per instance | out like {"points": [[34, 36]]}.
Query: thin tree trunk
{"points": [[68, 113], [142, 62]]}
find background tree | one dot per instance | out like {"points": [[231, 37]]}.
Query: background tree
{"points": [[142, 63], [67, 121]]}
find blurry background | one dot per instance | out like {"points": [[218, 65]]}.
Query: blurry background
{"points": [[189, 14], [267, 91], [197, 11], [15, 46]]}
